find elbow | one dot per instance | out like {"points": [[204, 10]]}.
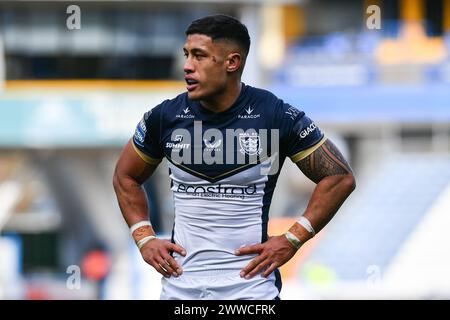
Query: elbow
{"points": [[349, 181], [116, 181]]}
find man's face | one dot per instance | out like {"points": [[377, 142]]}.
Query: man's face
{"points": [[205, 68]]}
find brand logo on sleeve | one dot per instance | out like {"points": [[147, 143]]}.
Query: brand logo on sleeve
{"points": [[292, 112], [139, 134], [305, 132], [139, 137], [143, 126]]}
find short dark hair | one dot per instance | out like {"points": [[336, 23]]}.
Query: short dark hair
{"points": [[222, 26]]}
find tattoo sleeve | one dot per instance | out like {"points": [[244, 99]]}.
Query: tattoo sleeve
{"points": [[326, 161]]}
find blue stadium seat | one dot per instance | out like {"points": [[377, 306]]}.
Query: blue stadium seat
{"points": [[372, 227]]}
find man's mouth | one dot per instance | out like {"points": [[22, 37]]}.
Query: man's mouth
{"points": [[191, 84]]}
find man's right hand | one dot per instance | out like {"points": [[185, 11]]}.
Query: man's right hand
{"points": [[156, 253]]}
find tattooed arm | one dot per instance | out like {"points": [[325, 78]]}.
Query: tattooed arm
{"points": [[335, 182]]}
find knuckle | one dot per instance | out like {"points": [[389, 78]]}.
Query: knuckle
{"points": [[169, 270], [170, 262], [174, 264]]}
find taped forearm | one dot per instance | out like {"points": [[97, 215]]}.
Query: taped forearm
{"points": [[300, 232], [142, 232]]}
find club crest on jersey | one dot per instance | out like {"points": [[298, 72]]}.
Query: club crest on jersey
{"points": [[250, 143]]}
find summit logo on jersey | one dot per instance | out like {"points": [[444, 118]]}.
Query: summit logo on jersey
{"points": [[248, 114], [185, 114], [178, 143]]}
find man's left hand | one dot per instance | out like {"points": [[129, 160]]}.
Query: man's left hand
{"points": [[271, 254]]}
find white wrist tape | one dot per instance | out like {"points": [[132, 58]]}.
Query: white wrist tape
{"points": [[307, 225], [144, 240], [138, 225], [293, 240]]}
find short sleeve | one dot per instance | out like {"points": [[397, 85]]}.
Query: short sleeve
{"points": [[299, 134], [146, 139]]}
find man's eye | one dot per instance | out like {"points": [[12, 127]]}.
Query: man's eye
{"points": [[185, 55]]}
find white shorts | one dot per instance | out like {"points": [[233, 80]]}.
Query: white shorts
{"points": [[218, 285]]}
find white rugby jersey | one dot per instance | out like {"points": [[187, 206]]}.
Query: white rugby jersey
{"points": [[223, 169]]}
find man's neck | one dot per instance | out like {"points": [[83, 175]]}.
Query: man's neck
{"points": [[225, 100]]}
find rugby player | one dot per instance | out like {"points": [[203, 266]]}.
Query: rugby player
{"points": [[225, 143]]}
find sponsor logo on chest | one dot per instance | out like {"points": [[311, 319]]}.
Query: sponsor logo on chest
{"points": [[248, 114], [178, 144], [185, 114]]}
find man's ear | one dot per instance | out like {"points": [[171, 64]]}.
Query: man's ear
{"points": [[234, 61]]}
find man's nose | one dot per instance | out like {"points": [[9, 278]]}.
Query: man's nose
{"points": [[188, 67]]}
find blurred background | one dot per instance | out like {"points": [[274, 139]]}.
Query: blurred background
{"points": [[76, 77]]}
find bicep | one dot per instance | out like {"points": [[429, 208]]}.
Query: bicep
{"points": [[325, 161], [132, 165]]}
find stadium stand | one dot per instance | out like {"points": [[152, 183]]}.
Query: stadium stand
{"points": [[375, 224]]}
